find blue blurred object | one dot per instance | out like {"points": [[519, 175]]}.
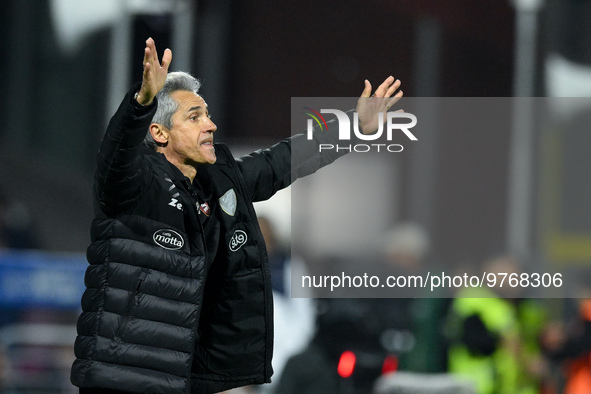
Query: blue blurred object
{"points": [[41, 279]]}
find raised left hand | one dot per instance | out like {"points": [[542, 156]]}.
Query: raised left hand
{"points": [[368, 106]]}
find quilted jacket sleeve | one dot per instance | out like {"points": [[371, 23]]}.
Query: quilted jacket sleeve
{"points": [[118, 177], [270, 170]]}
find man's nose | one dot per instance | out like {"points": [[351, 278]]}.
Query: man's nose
{"points": [[210, 126]]}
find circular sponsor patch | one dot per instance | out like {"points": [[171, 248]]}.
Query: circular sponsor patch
{"points": [[168, 239], [238, 239]]}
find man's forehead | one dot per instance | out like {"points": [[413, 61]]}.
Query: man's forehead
{"points": [[188, 100]]}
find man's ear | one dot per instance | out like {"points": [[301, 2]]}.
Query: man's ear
{"points": [[160, 134]]}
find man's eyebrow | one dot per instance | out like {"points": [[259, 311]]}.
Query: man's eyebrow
{"points": [[194, 108], [197, 107]]}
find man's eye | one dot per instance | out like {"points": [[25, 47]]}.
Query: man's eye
{"points": [[193, 117]]}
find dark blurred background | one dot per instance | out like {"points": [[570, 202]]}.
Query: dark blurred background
{"points": [[68, 63], [252, 58]]}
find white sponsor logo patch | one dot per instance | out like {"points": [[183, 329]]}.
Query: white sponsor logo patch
{"points": [[168, 239], [228, 202], [238, 239]]}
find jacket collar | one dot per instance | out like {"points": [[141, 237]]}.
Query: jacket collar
{"points": [[170, 169], [203, 177]]}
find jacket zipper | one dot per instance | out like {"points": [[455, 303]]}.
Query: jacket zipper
{"points": [[194, 204], [134, 300]]}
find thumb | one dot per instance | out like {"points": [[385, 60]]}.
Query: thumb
{"points": [[367, 89], [166, 58]]}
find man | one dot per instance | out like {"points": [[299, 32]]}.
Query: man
{"points": [[178, 292]]}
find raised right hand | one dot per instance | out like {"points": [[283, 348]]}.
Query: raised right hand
{"points": [[154, 74]]}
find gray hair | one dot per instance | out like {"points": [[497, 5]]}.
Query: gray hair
{"points": [[167, 106]]}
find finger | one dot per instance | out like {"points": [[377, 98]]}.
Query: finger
{"points": [[147, 68], [381, 90], [366, 90], [397, 97], [166, 58], [147, 55], [394, 99], [153, 52], [393, 88]]}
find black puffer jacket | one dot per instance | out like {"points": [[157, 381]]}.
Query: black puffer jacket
{"points": [[161, 313]]}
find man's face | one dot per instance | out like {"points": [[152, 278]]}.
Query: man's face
{"points": [[191, 135]]}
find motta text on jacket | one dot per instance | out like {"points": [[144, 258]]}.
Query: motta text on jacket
{"points": [[168, 239]]}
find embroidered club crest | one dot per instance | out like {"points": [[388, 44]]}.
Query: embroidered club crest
{"points": [[205, 209], [228, 202]]}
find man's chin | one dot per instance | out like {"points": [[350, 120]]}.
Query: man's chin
{"points": [[206, 160], [212, 159], [210, 155]]}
